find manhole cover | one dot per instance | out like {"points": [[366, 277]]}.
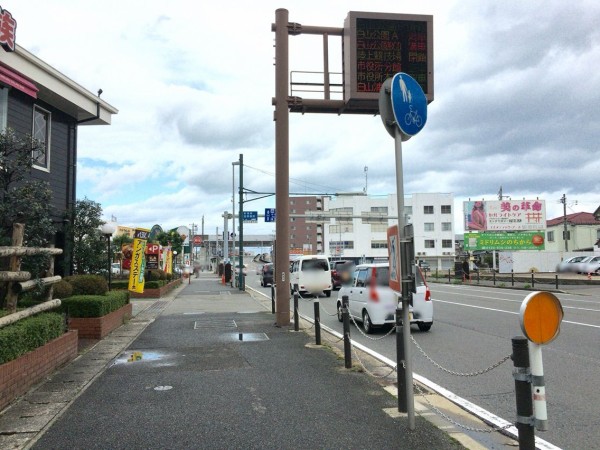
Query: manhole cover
{"points": [[214, 323]]}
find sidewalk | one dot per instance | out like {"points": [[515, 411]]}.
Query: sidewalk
{"points": [[197, 385]]}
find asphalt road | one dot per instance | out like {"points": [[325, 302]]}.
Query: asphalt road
{"points": [[473, 327]]}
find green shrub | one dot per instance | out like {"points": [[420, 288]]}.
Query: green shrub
{"points": [[94, 305], [28, 334], [155, 275], [88, 284], [62, 289], [154, 284], [121, 284]]}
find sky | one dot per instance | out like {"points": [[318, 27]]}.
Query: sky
{"points": [[517, 89]]}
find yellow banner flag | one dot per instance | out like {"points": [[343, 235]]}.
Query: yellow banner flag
{"points": [[169, 264], [138, 260]]}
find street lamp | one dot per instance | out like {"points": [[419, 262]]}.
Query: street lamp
{"points": [[233, 164], [107, 229]]}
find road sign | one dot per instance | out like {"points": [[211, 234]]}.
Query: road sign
{"points": [[269, 214], [540, 317], [250, 216], [394, 258], [408, 103]]}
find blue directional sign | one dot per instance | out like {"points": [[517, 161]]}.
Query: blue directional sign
{"points": [[250, 216], [409, 104], [269, 214]]}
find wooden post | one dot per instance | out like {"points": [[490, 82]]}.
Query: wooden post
{"points": [[15, 265]]}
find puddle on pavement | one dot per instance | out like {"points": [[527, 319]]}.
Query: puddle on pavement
{"points": [[140, 356], [247, 337]]}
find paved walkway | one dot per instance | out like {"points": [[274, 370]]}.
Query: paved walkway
{"points": [[207, 368]]}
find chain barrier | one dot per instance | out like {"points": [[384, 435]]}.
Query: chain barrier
{"points": [[325, 311], [370, 337], [367, 370], [309, 328], [494, 428], [459, 374]]}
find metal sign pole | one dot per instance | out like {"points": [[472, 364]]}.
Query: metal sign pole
{"points": [[404, 268]]}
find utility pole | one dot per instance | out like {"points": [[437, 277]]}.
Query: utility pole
{"points": [[565, 232]]}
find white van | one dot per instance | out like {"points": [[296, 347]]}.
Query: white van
{"points": [[372, 302], [311, 274]]}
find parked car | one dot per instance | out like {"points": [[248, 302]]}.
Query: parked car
{"points": [[372, 302], [266, 275], [424, 265], [591, 265], [115, 268], [341, 273], [311, 274], [570, 264]]}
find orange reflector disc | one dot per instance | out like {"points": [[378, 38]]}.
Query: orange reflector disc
{"points": [[541, 314]]}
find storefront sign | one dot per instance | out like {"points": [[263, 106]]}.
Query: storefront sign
{"points": [[8, 30], [505, 215], [525, 240]]}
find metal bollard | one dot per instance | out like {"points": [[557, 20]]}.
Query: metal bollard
{"points": [[296, 318], [317, 322], [494, 276], [512, 277], [272, 299], [522, 376], [449, 277], [346, 323], [532, 280], [400, 369], [556, 280]]}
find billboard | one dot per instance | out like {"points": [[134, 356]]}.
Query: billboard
{"points": [[505, 215], [521, 240]]}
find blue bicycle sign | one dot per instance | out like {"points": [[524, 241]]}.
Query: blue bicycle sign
{"points": [[408, 103]]}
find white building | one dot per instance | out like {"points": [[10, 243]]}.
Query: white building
{"points": [[360, 229]]}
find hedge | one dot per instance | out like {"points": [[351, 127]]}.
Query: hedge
{"points": [[147, 285], [94, 305], [28, 334]]}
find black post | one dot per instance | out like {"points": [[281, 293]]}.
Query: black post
{"points": [[449, 277], [400, 369], [272, 299], [494, 276], [317, 323], [522, 376], [512, 277], [296, 319], [532, 280], [556, 280], [346, 323], [109, 261]]}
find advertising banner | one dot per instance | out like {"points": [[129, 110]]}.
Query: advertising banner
{"points": [[394, 258], [169, 261], [524, 240], [138, 260], [505, 215]]}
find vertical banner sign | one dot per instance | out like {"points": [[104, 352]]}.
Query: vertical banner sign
{"points": [[394, 258], [168, 263], [138, 260]]}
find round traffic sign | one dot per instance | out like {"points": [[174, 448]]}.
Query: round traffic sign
{"points": [[409, 104], [540, 317]]}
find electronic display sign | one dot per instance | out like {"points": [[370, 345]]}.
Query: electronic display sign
{"points": [[379, 45]]}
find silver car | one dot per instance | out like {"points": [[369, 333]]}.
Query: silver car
{"points": [[591, 265], [570, 264]]}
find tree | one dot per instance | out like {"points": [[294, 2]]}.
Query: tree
{"points": [[171, 237], [23, 201], [89, 246]]}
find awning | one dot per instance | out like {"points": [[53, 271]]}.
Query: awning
{"points": [[17, 81]]}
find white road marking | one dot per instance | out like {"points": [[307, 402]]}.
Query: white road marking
{"points": [[509, 312]]}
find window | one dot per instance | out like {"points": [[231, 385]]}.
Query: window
{"points": [[446, 243], [429, 243], [429, 226], [550, 236], [428, 209], [3, 108], [598, 234], [446, 226], [379, 227], [41, 132], [379, 244], [408, 210], [379, 209], [446, 209]]}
